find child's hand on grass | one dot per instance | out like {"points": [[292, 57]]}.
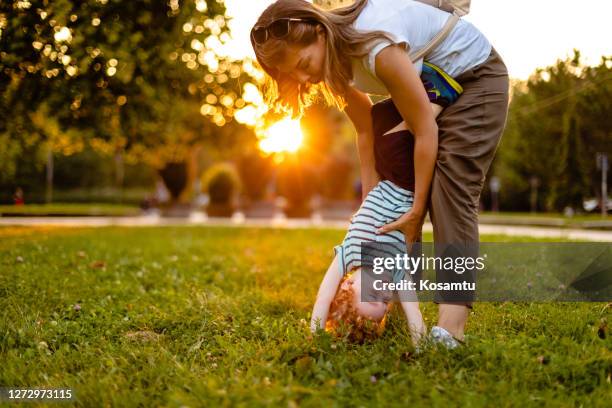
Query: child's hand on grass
{"points": [[312, 329]]}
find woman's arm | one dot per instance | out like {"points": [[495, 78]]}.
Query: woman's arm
{"points": [[327, 291], [359, 107], [396, 71]]}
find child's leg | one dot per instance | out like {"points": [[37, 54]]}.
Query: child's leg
{"points": [[437, 109]]}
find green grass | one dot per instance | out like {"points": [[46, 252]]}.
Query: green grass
{"points": [[97, 209], [552, 219], [594, 216], [216, 316]]}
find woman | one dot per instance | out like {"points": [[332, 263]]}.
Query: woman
{"points": [[362, 48]]}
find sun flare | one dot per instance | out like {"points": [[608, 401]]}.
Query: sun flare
{"points": [[283, 136]]}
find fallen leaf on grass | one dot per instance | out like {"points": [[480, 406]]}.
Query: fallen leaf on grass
{"points": [[196, 346], [601, 332], [143, 336], [303, 365], [331, 383], [98, 264], [407, 356]]}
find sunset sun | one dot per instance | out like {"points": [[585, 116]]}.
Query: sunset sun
{"points": [[283, 136]]}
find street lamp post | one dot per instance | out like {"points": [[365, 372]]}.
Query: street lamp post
{"points": [[602, 163], [495, 185], [534, 182]]}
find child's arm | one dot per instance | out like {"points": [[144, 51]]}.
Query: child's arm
{"points": [[416, 325], [327, 291]]}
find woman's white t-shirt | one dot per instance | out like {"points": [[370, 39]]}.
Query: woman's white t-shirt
{"points": [[413, 24]]}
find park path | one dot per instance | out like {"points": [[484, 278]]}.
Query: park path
{"points": [[199, 219]]}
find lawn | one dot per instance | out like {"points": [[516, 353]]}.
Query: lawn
{"points": [[591, 220], [213, 316], [69, 209]]}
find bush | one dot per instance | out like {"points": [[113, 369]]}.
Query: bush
{"points": [[256, 172], [222, 184], [297, 182], [175, 178]]}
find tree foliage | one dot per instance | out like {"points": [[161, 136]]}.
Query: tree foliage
{"points": [[559, 119], [143, 77]]}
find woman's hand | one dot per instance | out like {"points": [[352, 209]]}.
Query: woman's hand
{"points": [[411, 224]]}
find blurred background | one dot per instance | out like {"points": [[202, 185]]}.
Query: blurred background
{"points": [[127, 108]]}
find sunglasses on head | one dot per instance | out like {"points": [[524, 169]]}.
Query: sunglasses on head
{"points": [[277, 29]]}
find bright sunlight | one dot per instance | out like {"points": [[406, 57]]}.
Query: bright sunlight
{"points": [[283, 136]]}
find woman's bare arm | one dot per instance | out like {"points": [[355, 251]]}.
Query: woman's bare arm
{"points": [[359, 107], [396, 71]]}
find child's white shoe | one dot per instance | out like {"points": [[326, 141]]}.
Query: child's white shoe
{"points": [[439, 335]]}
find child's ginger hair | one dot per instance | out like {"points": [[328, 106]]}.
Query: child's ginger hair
{"points": [[344, 320]]}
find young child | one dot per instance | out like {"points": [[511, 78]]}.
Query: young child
{"points": [[339, 300]]}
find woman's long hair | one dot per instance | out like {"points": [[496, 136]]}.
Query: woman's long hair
{"points": [[343, 42]]}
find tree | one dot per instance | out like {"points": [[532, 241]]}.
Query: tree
{"points": [[142, 78], [558, 120]]}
